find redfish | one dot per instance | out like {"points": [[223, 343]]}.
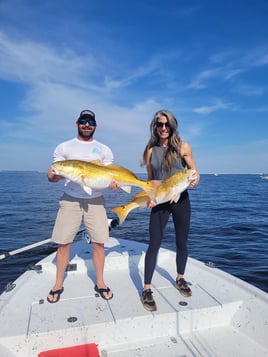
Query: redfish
{"points": [[168, 191], [94, 174]]}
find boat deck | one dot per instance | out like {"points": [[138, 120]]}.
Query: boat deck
{"points": [[224, 317]]}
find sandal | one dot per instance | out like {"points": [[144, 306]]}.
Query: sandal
{"points": [[102, 291], [53, 293]]}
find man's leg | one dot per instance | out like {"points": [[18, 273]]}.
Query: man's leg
{"points": [[62, 260], [95, 220], [67, 223], [98, 261]]}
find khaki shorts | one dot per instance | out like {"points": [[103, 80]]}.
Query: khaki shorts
{"points": [[73, 211]]}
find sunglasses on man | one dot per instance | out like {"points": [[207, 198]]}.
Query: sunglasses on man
{"points": [[91, 122]]}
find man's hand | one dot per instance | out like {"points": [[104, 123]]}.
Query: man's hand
{"points": [[52, 177], [114, 185]]}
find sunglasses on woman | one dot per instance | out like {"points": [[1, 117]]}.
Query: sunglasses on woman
{"points": [[160, 125]]}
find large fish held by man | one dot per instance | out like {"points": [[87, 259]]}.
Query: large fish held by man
{"points": [[95, 175], [169, 191]]}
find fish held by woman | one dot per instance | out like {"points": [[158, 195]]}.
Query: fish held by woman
{"points": [[169, 190]]}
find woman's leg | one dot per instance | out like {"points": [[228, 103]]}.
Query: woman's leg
{"points": [[181, 214], [158, 220]]}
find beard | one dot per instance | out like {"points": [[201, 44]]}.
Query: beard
{"points": [[86, 135]]}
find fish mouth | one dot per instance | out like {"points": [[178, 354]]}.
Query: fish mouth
{"points": [[54, 170]]}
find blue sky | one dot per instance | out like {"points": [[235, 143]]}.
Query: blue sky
{"points": [[206, 61]]}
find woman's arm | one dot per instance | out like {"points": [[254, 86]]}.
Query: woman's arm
{"points": [[150, 203], [187, 155]]}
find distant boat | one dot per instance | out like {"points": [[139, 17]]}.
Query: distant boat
{"points": [[264, 177], [216, 174]]}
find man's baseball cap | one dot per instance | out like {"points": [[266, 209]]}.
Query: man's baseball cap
{"points": [[87, 114]]}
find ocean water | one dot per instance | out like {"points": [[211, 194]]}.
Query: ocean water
{"points": [[229, 225]]}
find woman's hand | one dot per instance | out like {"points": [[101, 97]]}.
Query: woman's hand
{"points": [[151, 204], [195, 181]]}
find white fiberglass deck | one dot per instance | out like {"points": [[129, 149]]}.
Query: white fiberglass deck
{"points": [[224, 317]]}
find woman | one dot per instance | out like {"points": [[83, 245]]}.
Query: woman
{"points": [[164, 155]]}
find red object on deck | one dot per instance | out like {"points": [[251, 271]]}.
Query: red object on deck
{"points": [[88, 350]]}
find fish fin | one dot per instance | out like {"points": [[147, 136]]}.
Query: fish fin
{"points": [[176, 198], [114, 166], [127, 189], [87, 189], [96, 162]]}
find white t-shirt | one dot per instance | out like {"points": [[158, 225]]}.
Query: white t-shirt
{"points": [[75, 149]]}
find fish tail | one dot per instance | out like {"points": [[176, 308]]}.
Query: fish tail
{"points": [[123, 211]]}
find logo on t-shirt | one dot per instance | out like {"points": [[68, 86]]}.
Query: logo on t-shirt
{"points": [[96, 151]]}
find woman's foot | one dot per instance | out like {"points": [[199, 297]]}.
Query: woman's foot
{"points": [[183, 287], [148, 300]]}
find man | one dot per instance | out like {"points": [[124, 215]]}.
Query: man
{"points": [[76, 205]]}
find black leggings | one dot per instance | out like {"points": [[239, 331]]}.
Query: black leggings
{"points": [[181, 214]]}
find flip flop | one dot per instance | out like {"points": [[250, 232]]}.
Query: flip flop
{"points": [[56, 292], [102, 291]]}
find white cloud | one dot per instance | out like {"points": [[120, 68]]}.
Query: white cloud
{"points": [[201, 78], [218, 105]]}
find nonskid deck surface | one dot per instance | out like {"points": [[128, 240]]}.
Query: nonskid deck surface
{"points": [[215, 321]]}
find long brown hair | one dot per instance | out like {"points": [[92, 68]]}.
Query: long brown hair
{"points": [[174, 140]]}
